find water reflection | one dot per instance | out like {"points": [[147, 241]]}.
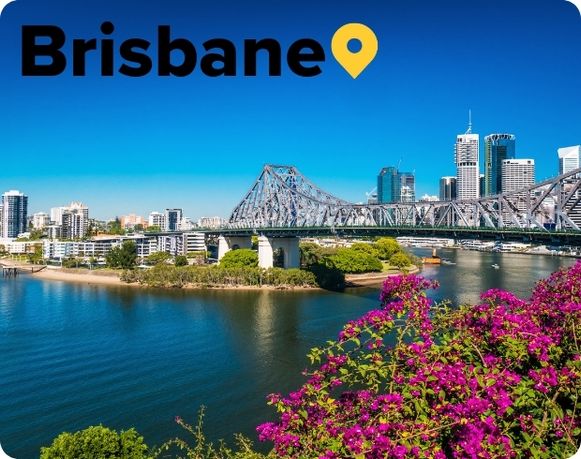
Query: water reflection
{"points": [[474, 273], [76, 355]]}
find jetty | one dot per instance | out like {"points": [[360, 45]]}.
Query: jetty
{"points": [[10, 270]]}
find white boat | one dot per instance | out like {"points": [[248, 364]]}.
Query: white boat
{"points": [[495, 266]]}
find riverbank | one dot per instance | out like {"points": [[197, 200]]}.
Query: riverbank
{"points": [[364, 280], [112, 278], [80, 276]]}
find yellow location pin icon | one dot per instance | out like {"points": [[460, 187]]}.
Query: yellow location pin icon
{"points": [[354, 62]]}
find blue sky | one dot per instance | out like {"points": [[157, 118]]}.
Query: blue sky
{"points": [[139, 144]]}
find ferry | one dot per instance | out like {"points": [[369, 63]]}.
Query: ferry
{"points": [[433, 260]]}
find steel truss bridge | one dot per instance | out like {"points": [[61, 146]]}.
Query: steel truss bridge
{"points": [[283, 201]]}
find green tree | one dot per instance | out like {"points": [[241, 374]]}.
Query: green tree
{"points": [[37, 257], [181, 260], [354, 261], [36, 234], [157, 258], [400, 260], [71, 262], [97, 442], [366, 248], [387, 247], [239, 259], [313, 254], [124, 257], [328, 277], [114, 227]]}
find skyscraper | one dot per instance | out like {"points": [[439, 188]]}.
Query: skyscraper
{"points": [[407, 187], [14, 214], [467, 156], [447, 188], [387, 185], [517, 174], [569, 159], [497, 148], [395, 186]]}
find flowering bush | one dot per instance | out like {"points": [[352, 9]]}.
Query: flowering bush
{"points": [[412, 379]]}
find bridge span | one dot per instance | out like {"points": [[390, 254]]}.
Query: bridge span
{"points": [[283, 205]]}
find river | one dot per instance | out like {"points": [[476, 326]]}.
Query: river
{"points": [[78, 355]]}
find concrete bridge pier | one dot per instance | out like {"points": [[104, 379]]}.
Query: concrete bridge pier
{"points": [[225, 244], [267, 247]]}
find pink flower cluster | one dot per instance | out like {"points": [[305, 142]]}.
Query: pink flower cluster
{"points": [[418, 380]]}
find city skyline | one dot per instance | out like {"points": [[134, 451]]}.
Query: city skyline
{"points": [[195, 143], [564, 160]]}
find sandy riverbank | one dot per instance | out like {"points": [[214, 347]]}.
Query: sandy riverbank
{"points": [[88, 277], [362, 280]]}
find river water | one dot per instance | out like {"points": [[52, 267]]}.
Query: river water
{"points": [[78, 355]]}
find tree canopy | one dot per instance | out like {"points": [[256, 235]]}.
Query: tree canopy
{"points": [[353, 261], [124, 257], [97, 442], [240, 258]]}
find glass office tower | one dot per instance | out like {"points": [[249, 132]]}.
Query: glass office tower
{"points": [[498, 148]]}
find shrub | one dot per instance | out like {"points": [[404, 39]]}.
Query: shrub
{"points": [[181, 260], [96, 442], [400, 260], [366, 248], [239, 259], [386, 247], [72, 263], [200, 448], [352, 261], [157, 258], [501, 379], [215, 276]]}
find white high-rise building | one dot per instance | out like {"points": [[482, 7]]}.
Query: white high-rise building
{"points": [[40, 220], [517, 174], [56, 215], [467, 157], [75, 221], [569, 159], [157, 219]]}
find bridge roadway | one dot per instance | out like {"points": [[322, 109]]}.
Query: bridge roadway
{"points": [[506, 234]]}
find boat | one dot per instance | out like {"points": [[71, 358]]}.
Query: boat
{"points": [[495, 266], [447, 262], [433, 260]]}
